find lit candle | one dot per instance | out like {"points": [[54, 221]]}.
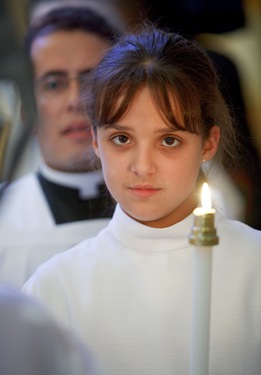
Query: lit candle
{"points": [[203, 237]]}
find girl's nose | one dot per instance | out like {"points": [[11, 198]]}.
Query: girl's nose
{"points": [[143, 162]]}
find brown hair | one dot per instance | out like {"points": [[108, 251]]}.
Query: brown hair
{"points": [[174, 69]]}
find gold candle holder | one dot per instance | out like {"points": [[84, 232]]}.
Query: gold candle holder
{"points": [[203, 232]]}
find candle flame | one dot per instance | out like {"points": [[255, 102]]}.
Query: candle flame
{"points": [[205, 197]]}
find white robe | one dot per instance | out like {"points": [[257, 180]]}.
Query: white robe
{"points": [[28, 233], [127, 292]]}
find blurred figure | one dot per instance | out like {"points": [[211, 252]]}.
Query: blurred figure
{"points": [[246, 172], [10, 126], [49, 211], [32, 343]]}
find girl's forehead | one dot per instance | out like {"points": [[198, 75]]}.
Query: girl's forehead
{"points": [[143, 114], [167, 105]]}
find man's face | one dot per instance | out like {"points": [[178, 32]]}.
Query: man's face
{"points": [[59, 59]]}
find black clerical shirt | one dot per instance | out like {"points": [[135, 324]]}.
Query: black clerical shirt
{"points": [[67, 206]]}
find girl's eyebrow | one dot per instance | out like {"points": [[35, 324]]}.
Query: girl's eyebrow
{"points": [[118, 127], [168, 130], [165, 130]]}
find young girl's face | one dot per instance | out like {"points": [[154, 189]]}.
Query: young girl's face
{"points": [[150, 169]]}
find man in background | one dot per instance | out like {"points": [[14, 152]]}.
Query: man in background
{"points": [[65, 201]]}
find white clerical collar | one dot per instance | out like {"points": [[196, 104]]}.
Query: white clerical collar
{"points": [[87, 183]]}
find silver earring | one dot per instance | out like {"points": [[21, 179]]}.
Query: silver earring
{"points": [[204, 160]]}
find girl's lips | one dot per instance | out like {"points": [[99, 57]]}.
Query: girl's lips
{"points": [[144, 191]]}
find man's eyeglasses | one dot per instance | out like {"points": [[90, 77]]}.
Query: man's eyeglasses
{"points": [[54, 84]]}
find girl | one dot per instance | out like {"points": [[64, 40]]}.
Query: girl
{"points": [[157, 115]]}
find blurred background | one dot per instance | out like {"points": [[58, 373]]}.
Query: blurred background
{"points": [[231, 28]]}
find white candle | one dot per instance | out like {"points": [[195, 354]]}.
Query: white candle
{"points": [[203, 237]]}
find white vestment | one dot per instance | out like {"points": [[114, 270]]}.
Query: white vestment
{"points": [[128, 293], [28, 232]]}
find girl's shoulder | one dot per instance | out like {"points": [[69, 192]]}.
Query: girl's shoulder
{"points": [[240, 233]]}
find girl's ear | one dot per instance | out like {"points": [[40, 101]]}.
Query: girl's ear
{"points": [[95, 143], [210, 145]]}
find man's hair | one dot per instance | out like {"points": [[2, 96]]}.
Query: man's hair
{"points": [[71, 18]]}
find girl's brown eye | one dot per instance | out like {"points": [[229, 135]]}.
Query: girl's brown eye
{"points": [[170, 142], [121, 139]]}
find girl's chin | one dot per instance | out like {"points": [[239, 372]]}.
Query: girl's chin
{"points": [[147, 219]]}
